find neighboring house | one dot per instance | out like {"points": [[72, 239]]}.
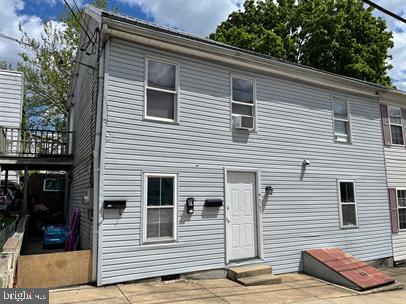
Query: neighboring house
{"points": [[393, 111], [11, 105], [272, 158]]}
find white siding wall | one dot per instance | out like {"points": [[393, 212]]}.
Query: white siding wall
{"points": [[11, 98], [294, 122], [11, 103], [84, 116], [396, 171]]}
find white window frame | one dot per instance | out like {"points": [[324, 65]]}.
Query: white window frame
{"points": [[145, 208], [339, 181], [176, 92], [348, 119], [399, 207], [399, 125], [254, 101]]}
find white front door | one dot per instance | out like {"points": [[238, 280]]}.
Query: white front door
{"points": [[240, 216]]}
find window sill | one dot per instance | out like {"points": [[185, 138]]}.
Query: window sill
{"points": [[343, 142], [348, 227], [164, 121], [160, 244], [396, 145]]}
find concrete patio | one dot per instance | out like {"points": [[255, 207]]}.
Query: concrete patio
{"points": [[295, 288]]}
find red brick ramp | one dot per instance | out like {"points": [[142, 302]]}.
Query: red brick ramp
{"points": [[335, 266]]}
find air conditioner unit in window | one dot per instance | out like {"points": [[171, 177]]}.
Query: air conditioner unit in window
{"points": [[243, 122]]}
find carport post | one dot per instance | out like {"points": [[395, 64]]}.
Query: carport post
{"points": [[6, 183], [25, 198]]}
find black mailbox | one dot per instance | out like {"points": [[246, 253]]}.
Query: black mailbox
{"points": [[214, 202], [114, 204]]}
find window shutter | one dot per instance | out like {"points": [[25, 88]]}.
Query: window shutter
{"points": [[404, 124], [393, 210], [385, 125]]}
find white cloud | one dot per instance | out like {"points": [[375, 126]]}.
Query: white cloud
{"points": [[398, 73], [196, 16], [10, 17]]}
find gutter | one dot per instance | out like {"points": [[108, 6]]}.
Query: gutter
{"points": [[155, 38]]}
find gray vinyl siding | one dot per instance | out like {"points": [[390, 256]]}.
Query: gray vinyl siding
{"points": [[11, 98], [84, 116], [294, 122], [396, 171]]}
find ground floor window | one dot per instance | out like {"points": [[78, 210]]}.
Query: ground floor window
{"points": [[401, 198], [348, 205], [159, 207]]}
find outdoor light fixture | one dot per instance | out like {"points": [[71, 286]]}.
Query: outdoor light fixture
{"points": [[190, 205], [268, 190], [306, 162]]}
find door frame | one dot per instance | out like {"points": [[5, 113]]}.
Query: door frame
{"points": [[257, 206]]}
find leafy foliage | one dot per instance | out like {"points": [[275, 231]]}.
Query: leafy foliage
{"points": [[48, 65], [339, 36], [4, 65]]}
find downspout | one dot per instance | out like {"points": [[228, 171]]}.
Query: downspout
{"points": [[97, 195]]}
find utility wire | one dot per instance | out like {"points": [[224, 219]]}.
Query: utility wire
{"points": [[384, 10], [14, 39], [86, 45], [76, 18], [83, 18]]}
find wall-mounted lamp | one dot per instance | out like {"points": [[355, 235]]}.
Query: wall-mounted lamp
{"points": [[190, 205], [268, 190], [306, 162]]}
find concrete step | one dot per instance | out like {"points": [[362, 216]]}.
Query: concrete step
{"points": [[265, 279], [235, 273]]}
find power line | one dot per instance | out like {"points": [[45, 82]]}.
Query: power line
{"points": [[14, 39], [77, 20], [384, 10], [83, 18]]}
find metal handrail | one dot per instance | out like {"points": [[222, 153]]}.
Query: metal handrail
{"points": [[35, 142]]}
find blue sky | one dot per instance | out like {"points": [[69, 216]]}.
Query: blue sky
{"points": [[196, 16], [51, 9]]}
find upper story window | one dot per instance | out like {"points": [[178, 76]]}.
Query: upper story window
{"points": [[161, 90], [348, 205], [396, 125], [160, 207], [341, 113], [243, 103], [401, 198]]}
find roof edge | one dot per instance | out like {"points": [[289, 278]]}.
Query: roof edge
{"points": [[165, 38]]}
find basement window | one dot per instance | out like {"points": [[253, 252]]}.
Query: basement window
{"points": [[348, 205], [160, 207], [161, 90]]}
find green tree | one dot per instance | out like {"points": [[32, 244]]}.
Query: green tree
{"points": [[338, 36], [48, 65], [4, 65]]}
